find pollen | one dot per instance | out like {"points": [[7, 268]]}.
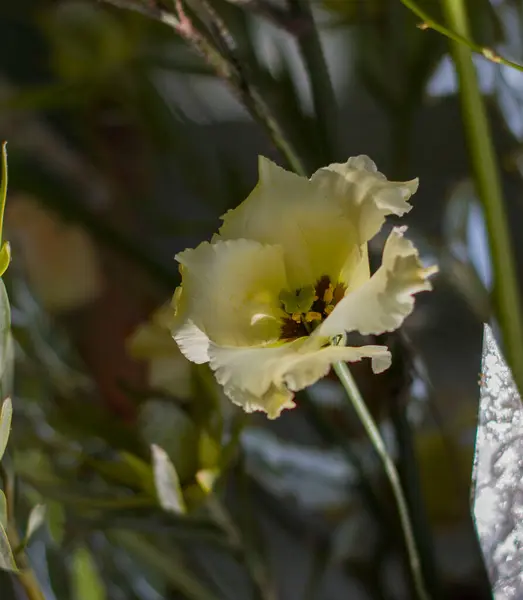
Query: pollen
{"points": [[313, 316], [329, 294], [324, 297]]}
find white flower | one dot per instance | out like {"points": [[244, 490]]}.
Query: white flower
{"points": [[288, 273]]}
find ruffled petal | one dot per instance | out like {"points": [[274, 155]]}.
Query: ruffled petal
{"points": [[289, 210], [364, 194], [230, 293], [192, 342], [264, 378], [387, 298]]}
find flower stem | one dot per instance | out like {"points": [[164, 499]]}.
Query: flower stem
{"points": [[457, 34], [346, 379], [486, 174]]}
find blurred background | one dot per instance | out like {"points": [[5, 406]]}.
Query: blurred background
{"points": [[125, 146]]}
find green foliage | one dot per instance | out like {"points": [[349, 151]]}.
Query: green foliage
{"points": [[86, 581], [6, 414]]}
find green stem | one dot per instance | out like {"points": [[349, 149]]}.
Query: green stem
{"points": [[458, 34], [323, 96], [346, 379], [486, 174]]}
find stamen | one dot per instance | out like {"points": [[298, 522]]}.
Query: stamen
{"points": [[329, 294], [306, 307], [312, 316]]}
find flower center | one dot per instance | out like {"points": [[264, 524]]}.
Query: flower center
{"points": [[307, 307]]}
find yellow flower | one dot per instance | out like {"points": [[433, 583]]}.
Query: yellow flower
{"points": [[168, 370], [288, 274]]}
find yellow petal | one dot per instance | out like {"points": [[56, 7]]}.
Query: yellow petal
{"points": [[264, 378], [364, 194], [293, 212], [387, 298], [230, 292]]}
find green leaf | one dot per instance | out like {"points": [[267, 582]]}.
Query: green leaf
{"points": [[86, 581], [35, 520], [3, 186], [141, 469], [5, 257], [7, 561], [6, 344], [3, 510], [5, 424], [167, 482], [56, 521]]}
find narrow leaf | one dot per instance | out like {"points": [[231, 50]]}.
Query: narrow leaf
{"points": [[7, 561], [3, 510], [167, 482], [6, 415], [56, 521], [3, 187], [5, 257], [86, 581], [35, 520]]}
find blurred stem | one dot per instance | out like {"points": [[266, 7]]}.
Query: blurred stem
{"points": [[167, 564], [256, 567], [488, 184], [458, 34], [409, 473], [323, 96], [25, 576], [346, 379]]}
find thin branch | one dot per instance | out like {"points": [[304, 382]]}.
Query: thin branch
{"points": [[430, 23], [150, 11], [226, 66], [241, 83]]}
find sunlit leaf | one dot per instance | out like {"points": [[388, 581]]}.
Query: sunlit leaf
{"points": [[206, 479], [86, 581], [166, 425], [167, 482], [6, 415], [7, 561], [35, 520]]}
